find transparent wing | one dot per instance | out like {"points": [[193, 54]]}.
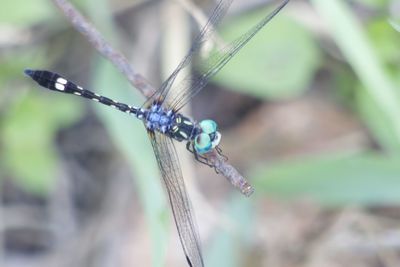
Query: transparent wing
{"points": [[190, 86], [205, 33], [168, 163]]}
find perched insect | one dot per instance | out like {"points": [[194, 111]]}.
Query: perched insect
{"points": [[164, 123]]}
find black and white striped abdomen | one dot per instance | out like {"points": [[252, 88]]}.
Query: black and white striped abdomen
{"points": [[55, 82]]}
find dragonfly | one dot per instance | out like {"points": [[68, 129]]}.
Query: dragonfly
{"points": [[165, 123]]}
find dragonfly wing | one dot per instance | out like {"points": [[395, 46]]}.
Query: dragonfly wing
{"points": [[168, 163], [205, 33], [190, 86]]}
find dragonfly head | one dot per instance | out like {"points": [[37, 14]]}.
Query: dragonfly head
{"points": [[208, 138]]}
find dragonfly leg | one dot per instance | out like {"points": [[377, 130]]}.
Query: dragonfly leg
{"points": [[197, 156], [219, 150], [188, 147]]}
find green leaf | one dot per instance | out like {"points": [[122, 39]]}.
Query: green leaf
{"points": [[359, 52], [13, 64], [27, 135], [385, 40], [377, 121], [279, 62], [227, 244], [25, 13], [395, 24], [342, 179]]}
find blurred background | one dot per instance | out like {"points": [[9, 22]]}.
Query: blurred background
{"points": [[309, 111]]}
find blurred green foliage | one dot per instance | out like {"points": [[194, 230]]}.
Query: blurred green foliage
{"points": [[373, 3], [29, 123], [359, 179], [233, 239], [280, 63], [27, 135], [369, 68], [395, 25], [371, 50], [25, 13]]}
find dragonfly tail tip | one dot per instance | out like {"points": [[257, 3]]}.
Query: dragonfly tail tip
{"points": [[28, 72]]}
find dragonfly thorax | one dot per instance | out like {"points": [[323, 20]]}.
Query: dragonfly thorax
{"points": [[168, 122], [156, 118], [183, 128], [203, 136]]}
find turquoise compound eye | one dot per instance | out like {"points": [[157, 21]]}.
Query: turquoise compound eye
{"points": [[202, 143], [208, 126]]}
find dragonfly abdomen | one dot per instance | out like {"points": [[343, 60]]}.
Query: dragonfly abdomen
{"points": [[204, 135], [55, 82]]}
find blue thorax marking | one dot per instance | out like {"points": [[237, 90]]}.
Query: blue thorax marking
{"points": [[158, 119], [204, 135]]}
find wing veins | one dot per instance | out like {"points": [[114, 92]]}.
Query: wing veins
{"points": [[216, 63], [214, 19], [168, 163]]}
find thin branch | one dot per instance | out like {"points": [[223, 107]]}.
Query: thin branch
{"points": [[82, 25], [230, 173]]}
